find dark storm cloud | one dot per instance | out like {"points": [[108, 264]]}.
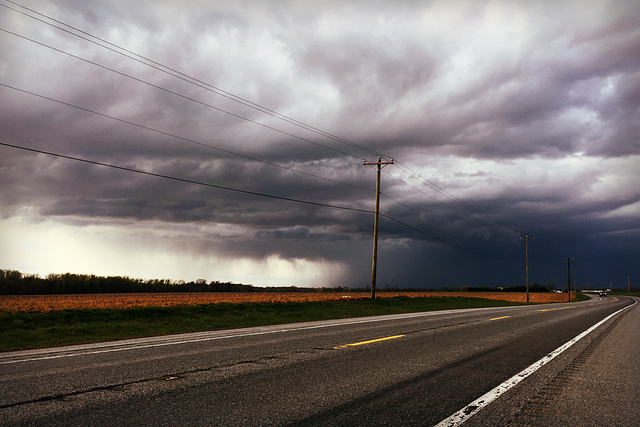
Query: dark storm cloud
{"points": [[525, 113]]}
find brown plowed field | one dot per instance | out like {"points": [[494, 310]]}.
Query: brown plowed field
{"points": [[61, 302]]}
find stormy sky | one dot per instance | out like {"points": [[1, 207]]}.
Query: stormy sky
{"points": [[224, 140]]}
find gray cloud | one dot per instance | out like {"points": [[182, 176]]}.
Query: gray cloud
{"points": [[525, 114]]}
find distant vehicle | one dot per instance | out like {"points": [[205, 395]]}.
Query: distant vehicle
{"points": [[557, 291], [603, 294]]}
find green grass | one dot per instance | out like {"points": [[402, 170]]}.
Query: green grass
{"points": [[580, 297], [24, 330], [629, 294]]}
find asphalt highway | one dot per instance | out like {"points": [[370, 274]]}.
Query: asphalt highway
{"points": [[412, 369]]}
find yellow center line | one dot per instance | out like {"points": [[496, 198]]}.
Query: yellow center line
{"points": [[498, 318], [553, 309], [368, 342]]}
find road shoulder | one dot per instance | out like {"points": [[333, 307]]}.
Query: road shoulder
{"points": [[592, 383]]}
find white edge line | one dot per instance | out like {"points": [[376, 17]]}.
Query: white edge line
{"points": [[116, 346], [472, 408]]}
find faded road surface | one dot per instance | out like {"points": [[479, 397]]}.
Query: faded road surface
{"points": [[597, 383], [414, 369]]}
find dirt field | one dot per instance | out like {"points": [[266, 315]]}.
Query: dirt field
{"points": [[61, 302]]}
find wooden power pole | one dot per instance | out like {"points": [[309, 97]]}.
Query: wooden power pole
{"points": [[526, 251], [379, 165], [569, 277]]}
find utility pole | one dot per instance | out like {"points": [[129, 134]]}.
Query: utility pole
{"points": [[628, 287], [569, 277], [379, 165], [526, 244]]}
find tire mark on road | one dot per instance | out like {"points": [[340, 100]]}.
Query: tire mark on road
{"points": [[550, 392]]}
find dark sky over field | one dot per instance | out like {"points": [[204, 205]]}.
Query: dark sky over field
{"points": [[504, 118]]}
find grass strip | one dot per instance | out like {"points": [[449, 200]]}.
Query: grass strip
{"points": [[628, 294], [26, 330]]}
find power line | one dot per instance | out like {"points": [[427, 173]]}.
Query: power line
{"points": [[455, 199], [188, 140], [212, 185], [241, 100], [185, 77], [437, 238], [238, 116], [453, 208], [238, 154], [248, 192], [418, 211], [423, 193], [185, 180], [199, 83], [191, 141]]}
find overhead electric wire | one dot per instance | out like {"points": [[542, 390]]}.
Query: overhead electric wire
{"points": [[191, 141], [453, 208], [185, 77], [190, 99], [226, 94], [436, 238], [236, 190], [188, 140], [419, 212], [181, 95], [199, 83], [422, 192], [185, 180], [450, 196]]}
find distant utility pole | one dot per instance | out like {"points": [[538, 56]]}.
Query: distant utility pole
{"points": [[526, 251], [628, 287], [379, 165], [569, 277]]}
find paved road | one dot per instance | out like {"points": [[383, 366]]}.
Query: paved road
{"points": [[413, 369], [595, 383]]}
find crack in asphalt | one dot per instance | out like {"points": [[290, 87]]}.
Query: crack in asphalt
{"points": [[182, 375], [165, 377]]}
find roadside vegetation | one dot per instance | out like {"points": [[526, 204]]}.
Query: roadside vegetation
{"points": [[629, 294], [13, 282], [64, 309], [26, 329]]}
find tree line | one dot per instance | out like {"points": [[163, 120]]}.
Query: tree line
{"points": [[519, 288], [13, 282]]}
